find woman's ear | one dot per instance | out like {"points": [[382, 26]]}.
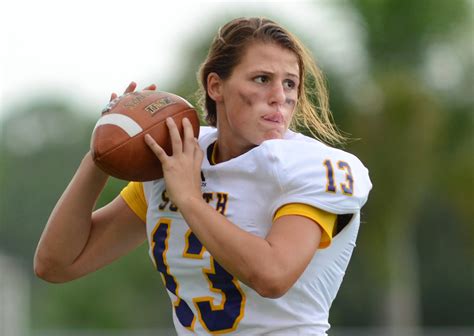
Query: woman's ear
{"points": [[214, 87]]}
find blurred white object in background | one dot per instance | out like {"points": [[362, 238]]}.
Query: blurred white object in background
{"points": [[14, 298]]}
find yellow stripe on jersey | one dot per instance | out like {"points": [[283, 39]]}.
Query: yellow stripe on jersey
{"points": [[326, 220], [213, 155], [134, 196]]}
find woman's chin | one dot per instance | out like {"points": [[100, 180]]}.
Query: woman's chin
{"points": [[272, 135]]}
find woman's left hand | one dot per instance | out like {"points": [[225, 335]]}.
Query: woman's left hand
{"points": [[182, 170]]}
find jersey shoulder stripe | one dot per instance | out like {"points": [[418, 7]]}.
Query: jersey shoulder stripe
{"points": [[134, 196], [324, 219]]}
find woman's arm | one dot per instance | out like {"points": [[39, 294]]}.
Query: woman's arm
{"points": [[77, 241], [269, 265]]}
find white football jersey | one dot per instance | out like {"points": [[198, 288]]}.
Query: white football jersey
{"points": [[248, 190]]}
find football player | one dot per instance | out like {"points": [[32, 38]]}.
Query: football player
{"points": [[253, 225]]}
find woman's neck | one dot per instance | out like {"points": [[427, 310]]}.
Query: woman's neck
{"points": [[224, 150]]}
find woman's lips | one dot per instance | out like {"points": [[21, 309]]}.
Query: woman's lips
{"points": [[273, 117]]}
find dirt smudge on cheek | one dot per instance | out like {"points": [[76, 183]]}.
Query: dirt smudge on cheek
{"points": [[247, 99], [291, 102]]}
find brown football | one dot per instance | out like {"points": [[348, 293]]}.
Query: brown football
{"points": [[118, 146]]}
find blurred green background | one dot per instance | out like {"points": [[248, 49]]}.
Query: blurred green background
{"points": [[408, 107]]}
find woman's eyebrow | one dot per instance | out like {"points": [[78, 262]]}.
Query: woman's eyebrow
{"points": [[266, 72]]}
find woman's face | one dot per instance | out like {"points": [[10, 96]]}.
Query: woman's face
{"points": [[257, 101]]}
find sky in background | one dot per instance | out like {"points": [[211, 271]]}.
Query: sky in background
{"points": [[87, 49]]}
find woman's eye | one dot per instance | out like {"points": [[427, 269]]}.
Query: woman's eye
{"points": [[289, 84], [261, 79]]}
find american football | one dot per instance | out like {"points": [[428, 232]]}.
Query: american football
{"points": [[117, 143]]}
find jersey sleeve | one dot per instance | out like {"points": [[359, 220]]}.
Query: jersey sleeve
{"points": [[134, 196], [318, 175], [324, 219]]}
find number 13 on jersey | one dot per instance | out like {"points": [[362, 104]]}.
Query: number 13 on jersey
{"points": [[215, 318], [347, 187]]}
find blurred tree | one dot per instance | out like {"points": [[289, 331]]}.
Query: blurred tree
{"points": [[409, 145], [42, 143]]}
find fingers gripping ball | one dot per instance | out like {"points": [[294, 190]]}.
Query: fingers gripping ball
{"points": [[118, 146]]}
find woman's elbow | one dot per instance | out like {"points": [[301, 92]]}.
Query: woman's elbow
{"points": [[270, 286], [45, 270]]}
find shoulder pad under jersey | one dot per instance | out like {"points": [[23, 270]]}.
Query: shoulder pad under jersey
{"points": [[313, 173]]}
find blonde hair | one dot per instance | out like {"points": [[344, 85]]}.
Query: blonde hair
{"points": [[227, 49]]}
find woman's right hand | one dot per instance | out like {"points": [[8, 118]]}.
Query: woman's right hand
{"points": [[114, 98], [131, 88]]}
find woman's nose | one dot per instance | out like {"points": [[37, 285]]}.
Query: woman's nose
{"points": [[277, 94]]}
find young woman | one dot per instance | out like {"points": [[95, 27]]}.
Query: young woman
{"points": [[253, 225]]}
